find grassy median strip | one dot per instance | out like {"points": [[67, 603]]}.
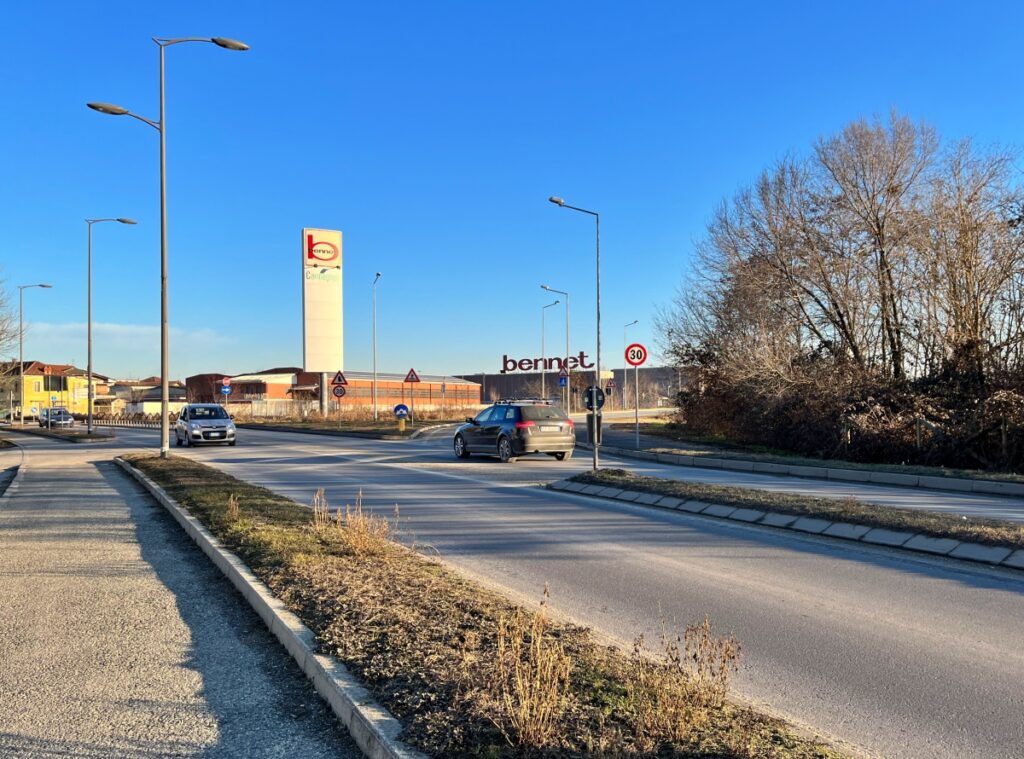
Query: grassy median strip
{"points": [[708, 447], [466, 672], [931, 523]]}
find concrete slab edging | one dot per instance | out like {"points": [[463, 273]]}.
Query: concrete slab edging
{"points": [[372, 727], [12, 486], [858, 533], [924, 482]]}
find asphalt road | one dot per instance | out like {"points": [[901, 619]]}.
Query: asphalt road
{"points": [[898, 655]]}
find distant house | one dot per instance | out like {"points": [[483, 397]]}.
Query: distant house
{"points": [[45, 385]]}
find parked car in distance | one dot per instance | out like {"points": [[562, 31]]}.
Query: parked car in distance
{"points": [[57, 416], [512, 428], [204, 423]]}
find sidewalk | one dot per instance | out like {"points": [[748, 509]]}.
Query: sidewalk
{"points": [[120, 639]]}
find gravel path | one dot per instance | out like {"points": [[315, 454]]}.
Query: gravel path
{"points": [[118, 638]]}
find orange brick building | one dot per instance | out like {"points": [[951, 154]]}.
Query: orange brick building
{"points": [[275, 390]]}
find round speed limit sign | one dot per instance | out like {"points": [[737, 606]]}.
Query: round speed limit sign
{"points": [[636, 354]]}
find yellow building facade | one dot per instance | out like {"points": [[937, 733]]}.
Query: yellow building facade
{"points": [[46, 386]]}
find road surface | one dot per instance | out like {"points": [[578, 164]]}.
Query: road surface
{"points": [[900, 655]]}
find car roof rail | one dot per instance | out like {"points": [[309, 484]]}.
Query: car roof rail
{"points": [[537, 401]]}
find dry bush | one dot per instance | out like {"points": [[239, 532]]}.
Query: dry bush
{"points": [[232, 510], [363, 532], [669, 699], [530, 679]]}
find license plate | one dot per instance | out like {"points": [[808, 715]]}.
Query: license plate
{"points": [[550, 428], [216, 434]]}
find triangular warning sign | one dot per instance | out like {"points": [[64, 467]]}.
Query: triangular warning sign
{"points": [[564, 372], [412, 376], [339, 379]]}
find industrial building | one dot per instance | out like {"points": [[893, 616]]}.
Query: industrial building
{"points": [[285, 391]]}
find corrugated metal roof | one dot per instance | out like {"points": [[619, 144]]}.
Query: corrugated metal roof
{"points": [[273, 379]]}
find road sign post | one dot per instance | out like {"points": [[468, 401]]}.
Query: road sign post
{"points": [[636, 354], [401, 412], [411, 378]]}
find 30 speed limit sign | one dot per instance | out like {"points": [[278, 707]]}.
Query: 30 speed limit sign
{"points": [[636, 355]]}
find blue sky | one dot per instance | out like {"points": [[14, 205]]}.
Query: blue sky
{"points": [[431, 134]]}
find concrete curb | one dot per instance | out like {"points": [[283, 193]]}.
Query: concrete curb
{"points": [[925, 482], [857, 533], [12, 486], [372, 727]]}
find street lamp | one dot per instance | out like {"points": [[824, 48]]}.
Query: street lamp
{"points": [[543, 368], [21, 346], [625, 366], [161, 127], [597, 365], [90, 222], [568, 386], [375, 346]]}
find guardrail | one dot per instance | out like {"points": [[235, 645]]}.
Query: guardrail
{"points": [[126, 423]]}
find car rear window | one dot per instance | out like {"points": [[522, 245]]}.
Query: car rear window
{"points": [[542, 413]]}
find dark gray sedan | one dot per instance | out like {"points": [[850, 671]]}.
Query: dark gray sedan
{"points": [[515, 428]]}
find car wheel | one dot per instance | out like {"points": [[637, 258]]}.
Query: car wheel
{"points": [[505, 450], [232, 442], [177, 439], [460, 447], [563, 455], [188, 440]]}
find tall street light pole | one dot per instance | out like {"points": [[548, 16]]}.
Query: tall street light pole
{"points": [[90, 222], [161, 127], [625, 366], [543, 369], [21, 347], [568, 386], [597, 366], [375, 346]]}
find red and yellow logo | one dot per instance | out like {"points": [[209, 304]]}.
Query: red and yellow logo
{"points": [[320, 251]]}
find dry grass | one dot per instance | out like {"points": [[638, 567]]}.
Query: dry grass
{"points": [[531, 680], [363, 533], [231, 509], [677, 693], [467, 673], [931, 523]]}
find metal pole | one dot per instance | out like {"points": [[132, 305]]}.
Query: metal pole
{"points": [[21, 356], [568, 373], [597, 367], [88, 371], [636, 390], [165, 399], [375, 346], [543, 388]]}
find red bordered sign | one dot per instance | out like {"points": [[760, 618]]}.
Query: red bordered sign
{"points": [[636, 355]]}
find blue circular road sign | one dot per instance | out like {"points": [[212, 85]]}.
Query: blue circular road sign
{"points": [[401, 411], [226, 389]]}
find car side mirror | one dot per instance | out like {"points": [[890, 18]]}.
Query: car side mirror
{"points": [[471, 420], [231, 416]]}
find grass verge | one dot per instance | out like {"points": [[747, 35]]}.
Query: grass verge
{"points": [[466, 672], [68, 435], [703, 446], [934, 524]]}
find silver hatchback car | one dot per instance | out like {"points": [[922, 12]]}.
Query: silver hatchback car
{"points": [[204, 423]]}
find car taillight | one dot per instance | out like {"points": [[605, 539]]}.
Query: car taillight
{"points": [[524, 425], [571, 423]]}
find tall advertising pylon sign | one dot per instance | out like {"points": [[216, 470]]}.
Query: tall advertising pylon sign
{"points": [[323, 348]]}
